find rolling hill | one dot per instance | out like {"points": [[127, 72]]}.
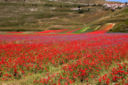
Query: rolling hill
{"points": [[42, 15], [18, 16]]}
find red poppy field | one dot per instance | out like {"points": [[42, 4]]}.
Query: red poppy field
{"points": [[65, 59]]}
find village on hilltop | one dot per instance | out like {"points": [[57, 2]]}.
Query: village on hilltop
{"points": [[114, 5]]}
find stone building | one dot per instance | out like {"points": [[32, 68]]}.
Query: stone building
{"points": [[114, 5]]}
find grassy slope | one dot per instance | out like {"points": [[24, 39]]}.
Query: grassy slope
{"points": [[58, 15], [119, 17], [45, 15]]}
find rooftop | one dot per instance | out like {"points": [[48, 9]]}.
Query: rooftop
{"points": [[123, 1]]}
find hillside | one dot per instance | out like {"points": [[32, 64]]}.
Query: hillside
{"points": [[48, 15], [39, 15], [119, 17]]}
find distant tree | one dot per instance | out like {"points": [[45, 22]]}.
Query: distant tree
{"points": [[126, 3], [113, 9], [79, 7], [88, 9]]}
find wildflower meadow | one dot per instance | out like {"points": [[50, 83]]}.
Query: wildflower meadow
{"points": [[65, 59]]}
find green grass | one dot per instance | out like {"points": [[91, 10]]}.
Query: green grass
{"points": [[82, 30]]}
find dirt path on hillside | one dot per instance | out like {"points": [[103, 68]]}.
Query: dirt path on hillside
{"points": [[108, 27]]}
